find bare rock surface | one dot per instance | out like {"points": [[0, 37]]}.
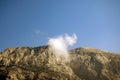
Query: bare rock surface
{"points": [[39, 63]]}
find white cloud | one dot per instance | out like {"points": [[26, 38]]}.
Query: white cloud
{"points": [[60, 44]]}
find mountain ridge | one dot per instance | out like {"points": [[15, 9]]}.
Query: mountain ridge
{"points": [[40, 63]]}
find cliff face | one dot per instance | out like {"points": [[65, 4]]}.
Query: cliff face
{"points": [[39, 63]]}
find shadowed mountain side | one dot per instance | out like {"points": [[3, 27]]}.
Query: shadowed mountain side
{"points": [[39, 63]]}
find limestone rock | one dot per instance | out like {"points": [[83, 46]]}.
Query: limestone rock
{"points": [[39, 63]]}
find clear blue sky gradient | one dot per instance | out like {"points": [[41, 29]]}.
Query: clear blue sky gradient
{"points": [[33, 22]]}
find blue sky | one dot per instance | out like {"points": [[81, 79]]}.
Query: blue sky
{"points": [[33, 22]]}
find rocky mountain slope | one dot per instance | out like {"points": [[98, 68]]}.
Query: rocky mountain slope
{"points": [[39, 63]]}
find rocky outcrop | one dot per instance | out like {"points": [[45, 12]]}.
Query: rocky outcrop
{"points": [[94, 64], [39, 63]]}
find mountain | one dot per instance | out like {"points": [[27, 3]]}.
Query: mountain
{"points": [[40, 63]]}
